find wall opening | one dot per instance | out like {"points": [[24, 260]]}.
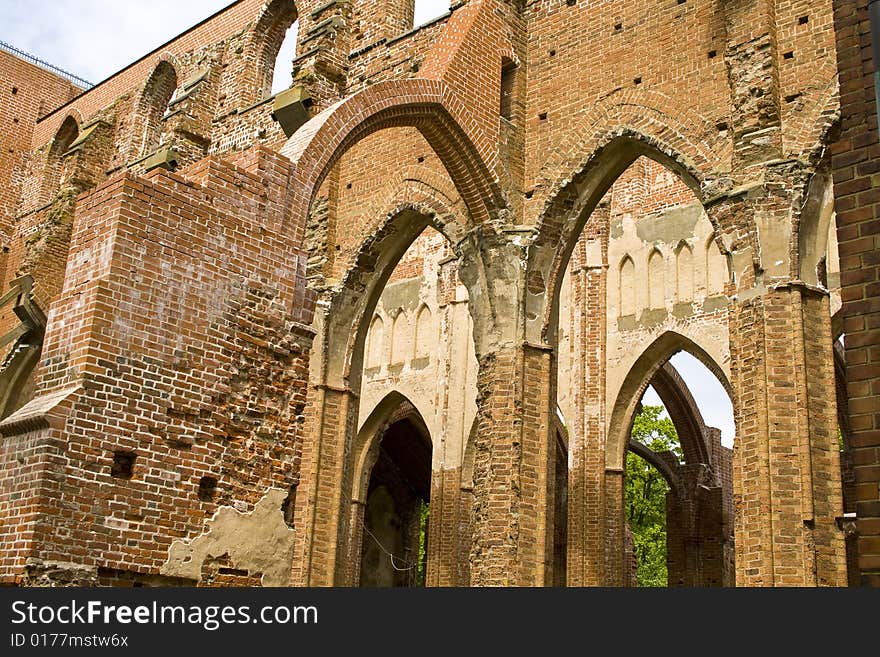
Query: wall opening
{"points": [[508, 80], [156, 97], [679, 497], [637, 272], [54, 174], [282, 74], [396, 514]]}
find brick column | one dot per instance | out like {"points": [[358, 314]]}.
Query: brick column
{"points": [[589, 270], [514, 447], [324, 494], [854, 164], [512, 463], [786, 460]]}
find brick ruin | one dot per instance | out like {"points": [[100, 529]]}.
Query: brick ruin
{"points": [[250, 336]]}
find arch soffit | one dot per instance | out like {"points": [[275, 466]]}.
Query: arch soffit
{"points": [[637, 380], [394, 407]]}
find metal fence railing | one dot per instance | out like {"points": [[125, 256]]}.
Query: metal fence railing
{"points": [[70, 77]]}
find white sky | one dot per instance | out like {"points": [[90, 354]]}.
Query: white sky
{"points": [[93, 39], [708, 393]]}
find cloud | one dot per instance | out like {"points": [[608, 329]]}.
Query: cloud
{"points": [[93, 39]]}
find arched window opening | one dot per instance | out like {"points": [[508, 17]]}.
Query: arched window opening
{"points": [[400, 338], [426, 316], [157, 96], [682, 529], [282, 75], [508, 80], [395, 522], [54, 175]]}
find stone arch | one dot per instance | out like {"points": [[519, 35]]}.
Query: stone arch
{"points": [[433, 109], [394, 409], [263, 44], [358, 294], [567, 212], [684, 413], [152, 104], [428, 105], [686, 136], [66, 135], [337, 380], [658, 464], [636, 382]]}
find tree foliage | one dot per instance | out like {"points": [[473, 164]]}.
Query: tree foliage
{"points": [[646, 495]]}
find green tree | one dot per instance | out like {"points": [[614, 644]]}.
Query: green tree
{"points": [[646, 495]]}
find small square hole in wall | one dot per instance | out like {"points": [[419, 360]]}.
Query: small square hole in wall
{"points": [[207, 489], [788, 55], [803, 20], [713, 54], [123, 465], [14, 90], [637, 81]]}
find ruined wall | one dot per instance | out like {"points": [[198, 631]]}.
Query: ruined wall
{"points": [[168, 404], [737, 98], [29, 92]]}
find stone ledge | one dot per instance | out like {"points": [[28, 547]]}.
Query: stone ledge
{"points": [[48, 411]]}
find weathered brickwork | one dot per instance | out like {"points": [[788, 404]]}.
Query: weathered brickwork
{"points": [[440, 255], [853, 158], [29, 92]]}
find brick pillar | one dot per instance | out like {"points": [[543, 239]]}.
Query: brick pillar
{"points": [[514, 445], [324, 494], [589, 271], [753, 75], [443, 529], [381, 19], [854, 164], [786, 461], [512, 466]]}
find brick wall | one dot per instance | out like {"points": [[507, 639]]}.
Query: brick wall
{"points": [[28, 93], [173, 272], [854, 162], [740, 108]]}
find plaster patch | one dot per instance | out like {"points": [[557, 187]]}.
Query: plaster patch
{"points": [[259, 542]]}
